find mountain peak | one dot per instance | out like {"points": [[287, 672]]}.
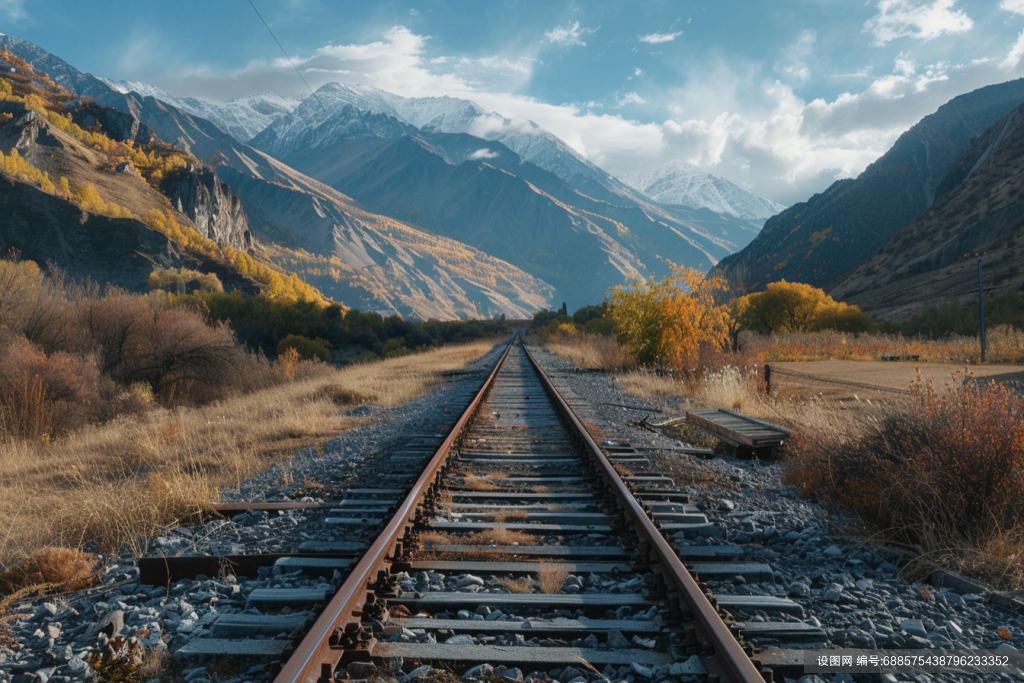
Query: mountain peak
{"points": [[683, 183]]}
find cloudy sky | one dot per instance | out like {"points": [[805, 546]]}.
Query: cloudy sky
{"points": [[780, 97]]}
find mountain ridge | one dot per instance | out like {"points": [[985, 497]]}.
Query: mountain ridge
{"points": [[821, 240]]}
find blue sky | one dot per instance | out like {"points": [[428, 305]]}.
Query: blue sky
{"points": [[779, 97]]}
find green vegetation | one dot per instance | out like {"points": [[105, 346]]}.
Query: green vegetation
{"points": [[953, 318], [274, 325]]}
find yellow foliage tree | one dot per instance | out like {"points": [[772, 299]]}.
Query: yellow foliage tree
{"points": [[796, 307], [666, 322]]}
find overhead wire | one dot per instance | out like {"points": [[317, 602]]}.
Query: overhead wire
{"points": [[283, 51]]}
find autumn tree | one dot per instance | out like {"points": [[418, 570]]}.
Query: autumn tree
{"points": [[796, 307], [665, 322]]}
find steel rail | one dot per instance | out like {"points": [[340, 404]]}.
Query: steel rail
{"points": [[735, 664], [315, 657]]}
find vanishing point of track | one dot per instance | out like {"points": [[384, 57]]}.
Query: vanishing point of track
{"points": [[519, 452]]}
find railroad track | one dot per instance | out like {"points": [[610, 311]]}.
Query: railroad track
{"points": [[522, 547]]}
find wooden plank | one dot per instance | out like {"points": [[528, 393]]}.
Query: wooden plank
{"points": [[536, 550], [451, 599], [529, 528]]}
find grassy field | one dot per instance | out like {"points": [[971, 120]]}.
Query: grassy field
{"points": [[120, 482]]}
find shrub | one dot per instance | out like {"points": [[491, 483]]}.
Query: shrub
{"points": [[306, 348], [940, 471], [183, 281], [796, 307]]}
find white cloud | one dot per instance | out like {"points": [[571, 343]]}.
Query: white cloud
{"points": [[522, 65], [792, 64], [922, 20], [630, 98], [14, 9], [660, 37], [1016, 53], [637, 72], [729, 117], [484, 153], [1015, 6], [568, 35]]}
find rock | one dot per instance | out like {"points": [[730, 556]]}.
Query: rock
{"points": [[569, 673], [494, 616], [461, 639], [196, 673], [590, 641], [865, 585], [833, 592], [859, 639], [799, 590], [616, 640], [421, 672], [641, 670], [469, 580], [216, 211], [483, 610], [833, 551], [726, 505], [810, 678], [954, 629], [914, 627], [513, 675], [480, 671], [361, 669], [691, 667]]}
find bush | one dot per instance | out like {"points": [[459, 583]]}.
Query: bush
{"points": [[940, 472], [306, 348], [183, 281]]}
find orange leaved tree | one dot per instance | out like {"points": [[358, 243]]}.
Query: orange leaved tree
{"points": [[665, 322]]}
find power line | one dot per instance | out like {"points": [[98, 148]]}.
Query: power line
{"points": [[282, 48]]}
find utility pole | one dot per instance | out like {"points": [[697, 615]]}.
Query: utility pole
{"points": [[981, 312]]}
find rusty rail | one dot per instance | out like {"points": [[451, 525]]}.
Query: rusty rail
{"points": [[318, 654], [735, 664]]}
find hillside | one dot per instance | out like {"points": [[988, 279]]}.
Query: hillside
{"points": [[351, 254], [979, 210], [69, 200], [821, 240]]}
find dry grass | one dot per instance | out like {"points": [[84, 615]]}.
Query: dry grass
{"points": [[650, 386], [121, 482], [520, 585], [471, 482], [509, 516], [62, 569], [938, 472], [552, 578], [480, 538], [590, 351]]}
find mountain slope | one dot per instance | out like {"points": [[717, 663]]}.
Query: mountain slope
{"points": [[979, 209], [821, 240], [690, 186], [349, 253]]}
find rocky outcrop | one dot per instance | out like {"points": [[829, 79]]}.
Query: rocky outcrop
{"points": [[116, 125], [214, 209]]}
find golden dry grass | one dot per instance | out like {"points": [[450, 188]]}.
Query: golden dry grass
{"points": [[486, 537], [650, 386], [121, 482], [551, 578], [520, 585], [509, 516], [590, 351]]}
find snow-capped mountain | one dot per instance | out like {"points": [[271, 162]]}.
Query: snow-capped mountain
{"points": [[242, 118], [688, 185], [449, 115]]}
